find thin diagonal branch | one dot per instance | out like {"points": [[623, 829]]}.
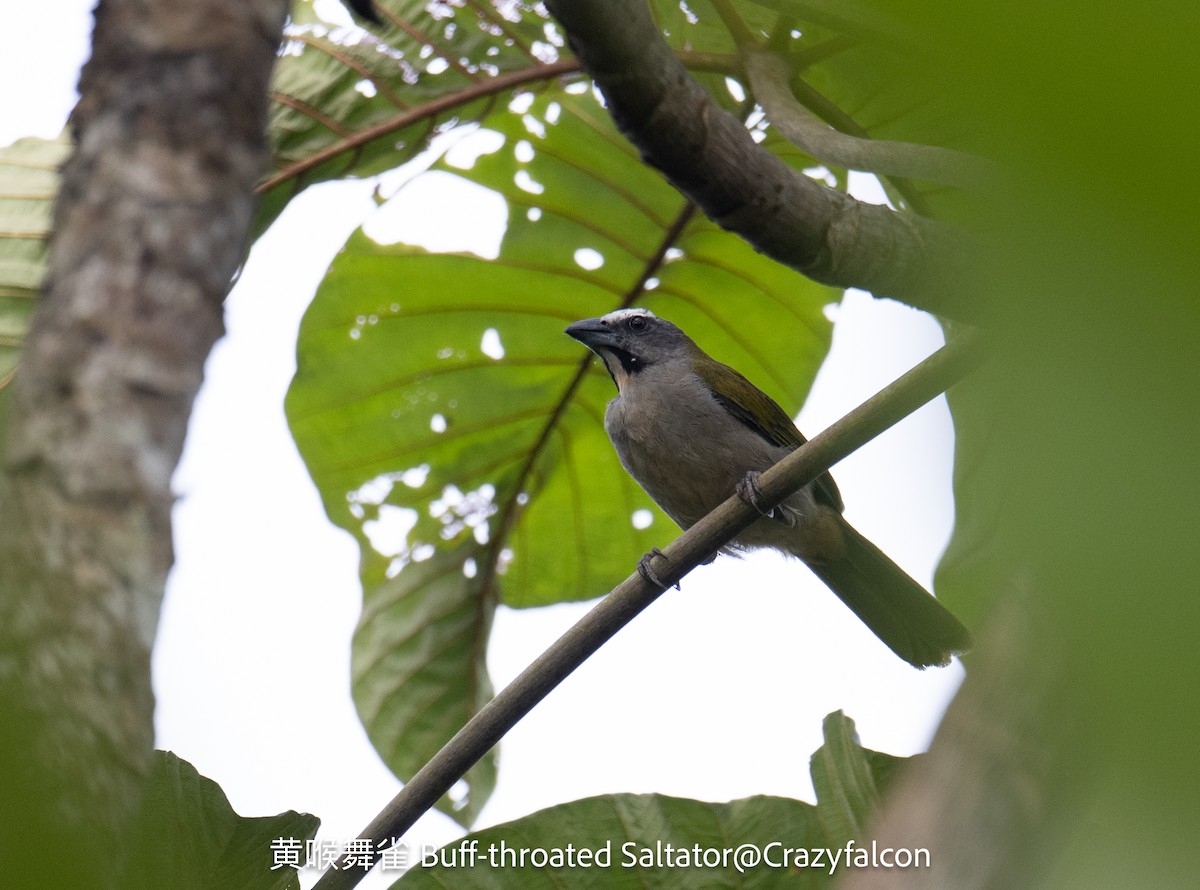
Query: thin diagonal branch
{"points": [[635, 593], [769, 75]]}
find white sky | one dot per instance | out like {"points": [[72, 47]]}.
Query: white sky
{"points": [[716, 692]]}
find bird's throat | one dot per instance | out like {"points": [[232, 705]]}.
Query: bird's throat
{"points": [[621, 367]]}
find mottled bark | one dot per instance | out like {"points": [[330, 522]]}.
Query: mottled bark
{"points": [[710, 156], [150, 226]]}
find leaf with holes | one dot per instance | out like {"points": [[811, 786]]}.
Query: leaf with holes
{"points": [[353, 102], [457, 433]]}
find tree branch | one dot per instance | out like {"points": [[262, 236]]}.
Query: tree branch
{"points": [[635, 593], [709, 156], [769, 77], [150, 226]]}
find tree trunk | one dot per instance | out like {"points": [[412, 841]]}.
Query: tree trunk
{"points": [[150, 225]]}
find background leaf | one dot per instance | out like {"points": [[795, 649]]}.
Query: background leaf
{"points": [[652, 821], [652, 824], [848, 779], [349, 102], [455, 430], [188, 836]]}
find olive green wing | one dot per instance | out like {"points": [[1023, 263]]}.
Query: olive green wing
{"points": [[761, 413]]}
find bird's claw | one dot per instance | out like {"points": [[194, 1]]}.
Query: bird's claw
{"points": [[749, 492], [646, 572]]}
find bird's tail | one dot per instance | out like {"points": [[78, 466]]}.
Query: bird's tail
{"points": [[898, 610]]}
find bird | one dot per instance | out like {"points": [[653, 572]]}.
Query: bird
{"points": [[692, 432]]}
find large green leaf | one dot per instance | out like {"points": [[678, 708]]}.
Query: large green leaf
{"points": [[28, 184], [648, 840], [188, 836], [457, 433]]}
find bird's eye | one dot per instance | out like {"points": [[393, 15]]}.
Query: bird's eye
{"points": [[637, 323]]}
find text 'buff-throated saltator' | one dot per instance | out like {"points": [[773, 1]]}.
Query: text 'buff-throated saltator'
{"points": [[693, 431]]}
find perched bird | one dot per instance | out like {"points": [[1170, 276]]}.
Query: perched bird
{"points": [[692, 431]]}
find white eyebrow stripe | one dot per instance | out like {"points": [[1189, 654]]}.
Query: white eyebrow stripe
{"points": [[620, 314]]}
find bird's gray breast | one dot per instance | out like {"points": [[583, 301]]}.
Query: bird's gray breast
{"points": [[680, 444]]}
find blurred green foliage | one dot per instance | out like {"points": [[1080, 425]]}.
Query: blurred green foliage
{"points": [[1081, 461]]}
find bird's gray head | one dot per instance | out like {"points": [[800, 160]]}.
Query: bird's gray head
{"points": [[631, 340]]}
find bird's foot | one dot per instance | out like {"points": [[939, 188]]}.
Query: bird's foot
{"points": [[646, 572], [749, 492], [748, 489]]}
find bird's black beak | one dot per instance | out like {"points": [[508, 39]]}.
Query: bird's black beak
{"points": [[591, 332]]}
